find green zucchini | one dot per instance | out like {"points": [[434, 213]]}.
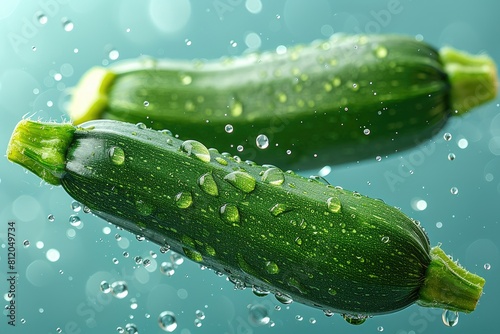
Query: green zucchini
{"points": [[345, 99], [298, 238]]}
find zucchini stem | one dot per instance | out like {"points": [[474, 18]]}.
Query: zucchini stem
{"points": [[449, 286], [41, 148], [473, 78]]}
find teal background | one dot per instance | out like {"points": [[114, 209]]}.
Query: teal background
{"points": [[40, 62]]}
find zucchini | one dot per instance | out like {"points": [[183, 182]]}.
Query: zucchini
{"points": [[276, 231], [345, 99]]}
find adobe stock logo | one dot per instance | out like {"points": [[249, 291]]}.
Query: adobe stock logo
{"points": [[30, 26]]}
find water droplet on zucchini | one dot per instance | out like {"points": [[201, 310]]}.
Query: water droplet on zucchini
{"points": [[333, 204], [193, 147], [192, 254], [272, 268], [208, 185], [283, 298], [241, 180], [259, 292], [141, 126], [230, 214], [183, 200], [116, 155], [221, 161], [167, 321], [280, 208], [354, 319], [273, 176]]}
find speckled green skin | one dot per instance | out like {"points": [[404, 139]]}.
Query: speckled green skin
{"points": [[362, 257], [315, 101]]}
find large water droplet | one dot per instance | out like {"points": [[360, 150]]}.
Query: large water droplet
{"points": [[273, 176], [450, 318], [208, 185], [259, 292], [184, 200], [230, 214], [262, 141], [258, 315], [283, 298], [74, 220], [193, 147], [241, 180], [192, 254], [333, 204], [354, 319], [228, 128], [116, 155], [167, 321], [280, 208], [272, 268], [119, 289]]}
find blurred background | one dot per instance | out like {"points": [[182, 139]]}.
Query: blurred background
{"points": [[64, 254]]}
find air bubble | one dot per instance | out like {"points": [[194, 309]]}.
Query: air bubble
{"points": [[487, 266], [105, 287], [200, 314], [197, 149], [240, 148], [26, 243], [42, 18], [131, 329], [51, 218], [262, 141], [146, 103], [167, 269], [451, 156]]}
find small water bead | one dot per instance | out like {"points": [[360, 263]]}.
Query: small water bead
{"points": [[283, 298], [76, 206], [487, 266], [280, 208], [115, 260], [240, 148], [42, 18], [208, 185], [454, 190], [230, 214], [167, 269], [116, 155], [183, 200], [197, 149], [447, 136], [385, 239], [176, 259], [131, 329], [164, 249], [105, 287], [114, 54], [26, 243], [229, 128], [74, 220], [451, 156], [138, 259], [133, 304], [366, 132], [125, 254], [119, 289], [298, 317], [273, 176], [258, 315], [51, 218], [380, 329], [450, 318], [192, 254], [262, 141], [58, 330], [439, 224], [241, 180], [259, 292], [199, 314], [354, 319], [146, 103], [288, 152], [167, 321], [333, 204], [67, 25], [198, 323]]}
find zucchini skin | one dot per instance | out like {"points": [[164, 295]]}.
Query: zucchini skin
{"points": [[321, 245], [316, 103]]}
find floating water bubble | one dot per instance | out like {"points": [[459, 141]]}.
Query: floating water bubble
{"points": [[67, 24], [451, 156], [167, 269], [119, 289], [298, 317], [380, 329], [240, 148], [167, 321], [199, 314], [366, 132], [133, 304], [454, 190], [241, 180], [42, 18], [74, 220], [273, 176], [198, 323], [439, 224], [463, 143], [450, 318], [262, 141], [447, 136], [258, 315], [487, 266], [105, 287], [51, 218], [114, 54], [131, 329], [228, 128]]}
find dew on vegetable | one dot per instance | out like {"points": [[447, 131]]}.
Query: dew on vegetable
{"points": [[183, 200], [280, 208], [192, 254], [208, 185], [333, 204], [141, 126], [259, 292], [229, 128], [240, 148], [354, 319], [241, 180], [176, 259], [258, 315], [196, 149], [230, 214], [146, 103], [167, 321], [262, 141], [283, 298], [272, 268], [288, 152], [74, 220], [463, 143], [450, 318], [385, 239], [119, 289], [273, 176]]}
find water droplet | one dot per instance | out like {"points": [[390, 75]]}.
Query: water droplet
{"points": [[208, 185], [240, 148], [188, 42], [104, 286], [51, 218], [447, 136], [332, 291], [67, 25], [221, 161], [133, 304], [380, 329], [26, 243], [450, 318], [119, 289], [283, 298], [273, 176], [241, 180], [355, 86], [167, 269], [451, 156], [262, 141], [333, 204], [74, 220], [280, 208], [298, 317], [454, 190], [298, 241], [487, 266], [288, 152], [114, 54], [193, 147], [176, 259], [381, 51], [116, 155], [385, 239], [272, 268], [192, 254], [259, 292], [42, 18], [228, 128], [354, 319], [167, 321], [366, 132], [439, 224], [378, 158], [131, 329], [146, 103], [230, 214], [198, 323], [76, 206], [258, 315], [183, 200]]}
